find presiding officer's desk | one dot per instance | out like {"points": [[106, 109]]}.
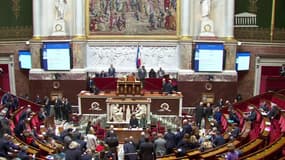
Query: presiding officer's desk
{"points": [[167, 105], [123, 133]]}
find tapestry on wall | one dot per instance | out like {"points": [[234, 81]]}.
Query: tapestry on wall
{"points": [[253, 19], [16, 19], [132, 17]]}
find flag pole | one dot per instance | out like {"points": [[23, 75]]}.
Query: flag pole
{"points": [[272, 19]]}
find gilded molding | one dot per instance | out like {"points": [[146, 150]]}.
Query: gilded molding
{"points": [[16, 32]]}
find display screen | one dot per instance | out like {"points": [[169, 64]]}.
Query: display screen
{"points": [[209, 57], [56, 56], [25, 59], [242, 61]]}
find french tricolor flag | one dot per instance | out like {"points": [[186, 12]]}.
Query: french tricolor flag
{"points": [[138, 59]]}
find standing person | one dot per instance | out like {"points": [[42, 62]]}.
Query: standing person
{"points": [[57, 108], [147, 150], [47, 105], [129, 150], [208, 110], [142, 73], [113, 142], [160, 73], [111, 71], [89, 125], [143, 121], [66, 109], [199, 114], [90, 84], [160, 145], [152, 73], [91, 139], [38, 99], [170, 141], [73, 152], [218, 116]]}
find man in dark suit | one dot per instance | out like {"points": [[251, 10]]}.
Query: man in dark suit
{"points": [[233, 116], [134, 123], [170, 141], [147, 150], [186, 128], [5, 146], [58, 108], [199, 114], [113, 142], [252, 114], [95, 90], [111, 71], [26, 114], [167, 86], [129, 150], [142, 73], [235, 131], [67, 109], [274, 112], [218, 139]]}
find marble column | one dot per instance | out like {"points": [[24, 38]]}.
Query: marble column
{"points": [[192, 18], [185, 19], [36, 18], [230, 5], [35, 50], [78, 50], [185, 50], [79, 18], [230, 48]]}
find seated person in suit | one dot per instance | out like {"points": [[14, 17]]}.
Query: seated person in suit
{"points": [[103, 74], [134, 123], [252, 114], [167, 86], [273, 113], [95, 89], [264, 107]]}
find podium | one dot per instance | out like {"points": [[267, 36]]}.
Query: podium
{"points": [[129, 87]]}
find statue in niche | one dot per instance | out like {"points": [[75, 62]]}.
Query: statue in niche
{"points": [[207, 25], [205, 8], [60, 9], [59, 25]]}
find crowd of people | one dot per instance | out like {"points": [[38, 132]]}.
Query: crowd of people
{"points": [[141, 73], [73, 144]]}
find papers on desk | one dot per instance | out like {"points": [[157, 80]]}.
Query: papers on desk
{"points": [[128, 129], [267, 129], [263, 113]]}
